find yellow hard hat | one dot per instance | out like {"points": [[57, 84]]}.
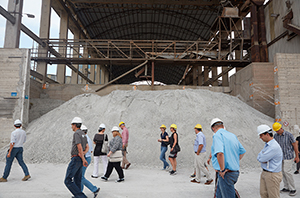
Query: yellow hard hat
{"points": [[277, 126], [121, 123], [163, 126], [174, 126], [198, 126]]}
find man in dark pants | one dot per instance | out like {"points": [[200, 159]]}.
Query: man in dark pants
{"points": [[79, 148]]}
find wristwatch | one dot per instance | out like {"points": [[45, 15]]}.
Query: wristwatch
{"points": [[222, 171]]}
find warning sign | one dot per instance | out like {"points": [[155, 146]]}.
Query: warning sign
{"points": [[286, 123]]}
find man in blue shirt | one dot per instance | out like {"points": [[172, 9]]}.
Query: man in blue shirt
{"points": [[288, 145], [226, 152], [270, 158], [200, 150]]}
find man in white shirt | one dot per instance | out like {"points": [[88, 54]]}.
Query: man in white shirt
{"points": [[18, 137]]}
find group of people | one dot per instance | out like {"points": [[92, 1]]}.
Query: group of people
{"points": [[277, 158], [281, 150], [82, 148]]}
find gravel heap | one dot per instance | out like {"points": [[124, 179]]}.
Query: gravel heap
{"points": [[49, 137]]}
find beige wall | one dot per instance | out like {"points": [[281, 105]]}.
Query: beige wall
{"points": [[254, 85], [14, 78], [287, 77]]}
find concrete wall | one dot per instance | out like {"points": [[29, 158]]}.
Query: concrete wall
{"points": [[66, 92], [287, 92], [274, 27], [254, 85], [14, 90]]}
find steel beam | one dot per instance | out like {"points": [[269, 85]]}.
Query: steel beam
{"points": [[151, 2], [112, 81]]}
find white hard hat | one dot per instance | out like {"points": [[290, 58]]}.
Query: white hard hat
{"points": [[18, 122], [263, 128], [83, 127], [102, 126], [76, 120], [115, 128], [215, 120]]}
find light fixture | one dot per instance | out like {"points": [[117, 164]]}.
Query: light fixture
{"points": [[27, 14]]}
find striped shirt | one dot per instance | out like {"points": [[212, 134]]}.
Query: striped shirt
{"points": [[285, 140]]}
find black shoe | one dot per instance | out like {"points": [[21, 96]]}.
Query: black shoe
{"points": [[94, 176], [173, 172], [120, 180], [104, 178], [293, 193], [296, 172], [284, 190], [96, 192]]}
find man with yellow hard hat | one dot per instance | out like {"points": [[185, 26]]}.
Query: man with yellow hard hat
{"points": [[288, 145], [199, 160], [125, 137]]}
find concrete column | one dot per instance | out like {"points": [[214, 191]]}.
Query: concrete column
{"points": [[74, 78], [44, 34], [85, 67], [195, 75], [12, 31], [103, 74], [92, 73], [98, 72], [225, 81], [205, 74], [200, 76], [63, 34], [214, 73]]}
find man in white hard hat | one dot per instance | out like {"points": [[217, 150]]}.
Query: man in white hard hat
{"points": [[270, 158], [79, 148], [18, 137], [84, 181], [125, 137], [226, 151]]}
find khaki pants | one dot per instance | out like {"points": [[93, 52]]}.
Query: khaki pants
{"points": [[125, 161], [199, 166], [270, 184], [287, 174]]}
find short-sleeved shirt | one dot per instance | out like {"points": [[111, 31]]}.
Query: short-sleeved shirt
{"points": [[79, 137], [99, 139], [285, 141], [90, 143], [18, 137], [298, 139], [200, 139], [270, 157], [228, 144], [163, 137]]}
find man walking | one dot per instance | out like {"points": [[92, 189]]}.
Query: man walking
{"points": [[84, 181], [200, 151], [125, 137], [18, 138], [288, 145], [226, 151], [74, 170], [270, 158]]}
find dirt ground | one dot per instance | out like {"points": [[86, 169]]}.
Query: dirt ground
{"points": [[47, 182]]}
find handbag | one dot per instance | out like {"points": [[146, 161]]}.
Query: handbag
{"points": [[104, 146], [177, 148], [116, 156]]}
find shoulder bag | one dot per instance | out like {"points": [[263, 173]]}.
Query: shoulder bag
{"points": [[104, 145], [116, 156]]}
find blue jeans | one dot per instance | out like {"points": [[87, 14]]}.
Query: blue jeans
{"points": [[225, 187], [16, 152], [86, 182], [162, 157], [73, 177]]}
